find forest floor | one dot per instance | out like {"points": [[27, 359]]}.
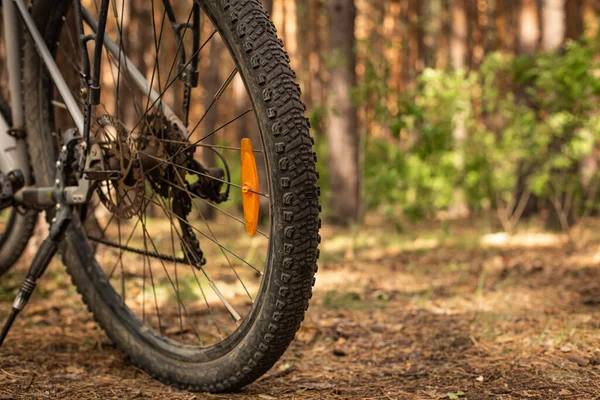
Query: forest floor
{"points": [[440, 312]]}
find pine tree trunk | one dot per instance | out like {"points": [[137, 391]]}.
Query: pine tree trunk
{"points": [[591, 9], [343, 121], [506, 24], [527, 41], [416, 38], [574, 19], [211, 83], [303, 28], [474, 34], [553, 25], [430, 28], [315, 64], [500, 25], [268, 4], [489, 32], [458, 45], [529, 32], [404, 56], [443, 44]]}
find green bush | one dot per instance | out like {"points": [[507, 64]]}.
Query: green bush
{"points": [[519, 127]]}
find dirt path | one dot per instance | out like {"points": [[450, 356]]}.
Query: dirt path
{"points": [[419, 317]]}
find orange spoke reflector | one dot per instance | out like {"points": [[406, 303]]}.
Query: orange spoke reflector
{"points": [[250, 188]]}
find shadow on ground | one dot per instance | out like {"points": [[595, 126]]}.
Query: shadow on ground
{"points": [[450, 315]]}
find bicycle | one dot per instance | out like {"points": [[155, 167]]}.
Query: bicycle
{"points": [[105, 143]]}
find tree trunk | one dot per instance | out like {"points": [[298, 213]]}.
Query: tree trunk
{"points": [[303, 27], [528, 40], [500, 25], [459, 53], [443, 43], [529, 32], [343, 122], [268, 5], [404, 56], [416, 37], [488, 14], [574, 19], [458, 44], [315, 64], [474, 34], [429, 22], [211, 83], [553, 17], [591, 9]]}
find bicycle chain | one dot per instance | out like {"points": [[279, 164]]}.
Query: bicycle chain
{"points": [[152, 254]]}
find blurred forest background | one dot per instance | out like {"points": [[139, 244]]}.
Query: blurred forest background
{"points": [[433, 109], [454, 108]]}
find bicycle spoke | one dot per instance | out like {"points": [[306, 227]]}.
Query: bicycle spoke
{"points": [[220, 128], [121, 250], [216, 97], [171, 282], [208, 135], [227, 305], [121, 263], [236, 317], [153, 287], [143, 290], [172, 81], [175, 267], [202, 174], [156, 65], [227, 148], [210, 311], [210, 146], [113, 63], [216, 240], [195, 196], [224, 86], [218, 244]]}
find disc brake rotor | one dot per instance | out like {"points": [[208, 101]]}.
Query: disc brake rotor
{"points": [[122, 196]]}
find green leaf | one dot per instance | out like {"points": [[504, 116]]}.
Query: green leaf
{"points": [[456, 395]]}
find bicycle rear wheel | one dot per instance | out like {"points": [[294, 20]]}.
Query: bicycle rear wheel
{"points": [[136, 257]]}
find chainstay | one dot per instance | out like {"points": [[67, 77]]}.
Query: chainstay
{"points": [[159, 256]]}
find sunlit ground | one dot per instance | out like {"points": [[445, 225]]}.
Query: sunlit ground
{"points": [[427, 312]]}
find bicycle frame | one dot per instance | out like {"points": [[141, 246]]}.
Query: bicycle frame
{"points": [[13, 149]]}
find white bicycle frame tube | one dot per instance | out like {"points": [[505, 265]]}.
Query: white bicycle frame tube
{"points": [[13, 152]]}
